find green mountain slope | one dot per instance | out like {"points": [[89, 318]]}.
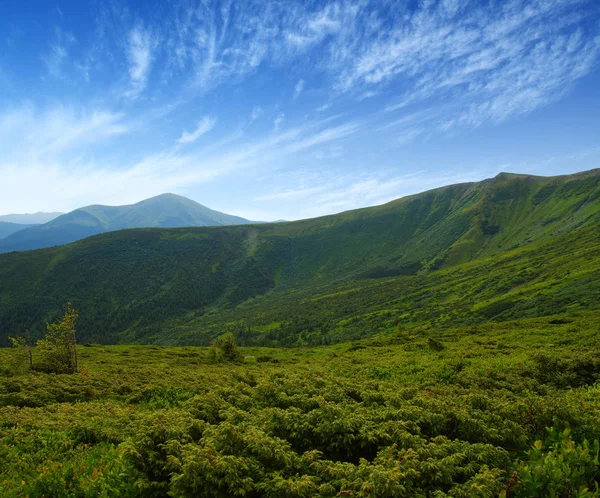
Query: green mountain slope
{"points": [[503, 248], [7, 229], [167, 210]]}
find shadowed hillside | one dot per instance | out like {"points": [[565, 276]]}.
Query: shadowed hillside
{"points": [[421, 259], [7, 228]]}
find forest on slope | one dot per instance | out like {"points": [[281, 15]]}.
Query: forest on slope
{"points": [[507, 247]]}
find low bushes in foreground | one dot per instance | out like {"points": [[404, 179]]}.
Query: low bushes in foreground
{"points": [[487, 415]]}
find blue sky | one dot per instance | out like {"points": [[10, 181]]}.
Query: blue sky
{"points": [[286, 109]]}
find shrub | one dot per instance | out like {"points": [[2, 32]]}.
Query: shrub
{"points": [[559, 467], [435, 345], [224, 349], [18, 362], [57, 351]]}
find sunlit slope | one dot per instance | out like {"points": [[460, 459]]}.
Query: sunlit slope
{"points": [[448, 225], [187, 284]]}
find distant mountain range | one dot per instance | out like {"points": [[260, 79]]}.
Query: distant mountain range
{"points": [[7, 229], [509, 247], [166, 211], [29, 219]]}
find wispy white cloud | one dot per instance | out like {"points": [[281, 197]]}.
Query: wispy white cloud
{"points": [[29, 135], [409, 135], [256, 113], [330, 191], [206, 124], [278, 121], [299, 88], [141, 44], [50, 149], [324, 107], [308, 29], [435, 67], [491, 65], [287, 195], [324, 136], [311, 193], [55, 59], [367, 95]]}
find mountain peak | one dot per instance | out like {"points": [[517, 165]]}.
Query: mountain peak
{"points": [[165, 210], [167, 195], [505, 175]]}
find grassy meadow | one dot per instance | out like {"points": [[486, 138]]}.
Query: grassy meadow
{"points": [[496, 409]]}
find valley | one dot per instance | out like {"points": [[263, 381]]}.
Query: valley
{"points": [[509, 247]]}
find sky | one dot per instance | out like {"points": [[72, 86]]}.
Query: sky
{"points": [[287, 110]]}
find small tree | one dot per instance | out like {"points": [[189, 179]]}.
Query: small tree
{"points": [[28, 345], [225, 349], [58, 349]]}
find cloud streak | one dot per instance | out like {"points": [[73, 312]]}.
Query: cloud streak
{"points": [[299, 88], [493, 63], [61, 142], [204, 126], [140, 55]]}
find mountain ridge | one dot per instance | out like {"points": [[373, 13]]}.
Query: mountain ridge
{"points": [[185, 285], [165, 210], [30, 218]]}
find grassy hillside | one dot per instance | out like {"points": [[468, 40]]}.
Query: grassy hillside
{"points": [[507, 247], [541, 279], [167, 210]]}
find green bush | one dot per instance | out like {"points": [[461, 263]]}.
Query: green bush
{"points": [[224, 349], [18, 361], [558, 467], [57, 351]]}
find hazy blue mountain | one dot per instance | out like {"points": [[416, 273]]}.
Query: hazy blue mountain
{"points": [[7, 229], [29, 219], [166, 210]]}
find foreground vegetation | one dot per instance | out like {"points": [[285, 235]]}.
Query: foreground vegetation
{"points": [[505, 409]]}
